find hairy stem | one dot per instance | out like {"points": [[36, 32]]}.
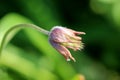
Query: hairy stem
{"points": [[21, 26]]}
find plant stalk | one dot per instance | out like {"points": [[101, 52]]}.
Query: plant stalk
{"points": [[21, 26]]}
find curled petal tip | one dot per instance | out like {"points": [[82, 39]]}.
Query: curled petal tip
{"points": [[84, 33], [68, 59], [72, 59], [80, 33]]}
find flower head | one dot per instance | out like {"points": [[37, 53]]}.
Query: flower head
{"points": [[62, 38]]}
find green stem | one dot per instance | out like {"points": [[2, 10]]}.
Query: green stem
{"points": [[20, 26]]}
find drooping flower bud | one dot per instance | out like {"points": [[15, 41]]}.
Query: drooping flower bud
{"points": [[62, 38]]}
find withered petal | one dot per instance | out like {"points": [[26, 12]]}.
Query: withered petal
{"points": [[78, 33], [63, 50]]}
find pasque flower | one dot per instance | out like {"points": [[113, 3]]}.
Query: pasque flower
{"points": [[62, 38]]}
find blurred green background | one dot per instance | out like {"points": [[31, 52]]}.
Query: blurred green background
{"points": [[29, 56]]}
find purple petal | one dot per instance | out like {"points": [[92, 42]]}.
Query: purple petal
{"points": [[62, 50]]}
